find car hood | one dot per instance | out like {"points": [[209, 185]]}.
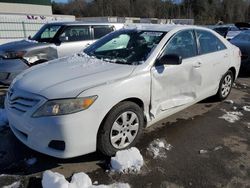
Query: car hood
{"points": [[68, 77], [20, 45]]}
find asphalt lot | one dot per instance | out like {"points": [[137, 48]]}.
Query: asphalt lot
{"points": [[226, 162]]}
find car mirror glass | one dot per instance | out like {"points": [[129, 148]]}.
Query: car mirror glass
{"points": [[170, 59]]}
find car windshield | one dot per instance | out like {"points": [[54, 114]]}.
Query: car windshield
{"points": [[131, 47], [46, 33]]}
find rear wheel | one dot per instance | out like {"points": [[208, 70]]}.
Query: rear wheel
{"points": [[225, 87], [121, 128]]}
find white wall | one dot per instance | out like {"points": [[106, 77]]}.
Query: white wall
{"points": [[25, 8]]}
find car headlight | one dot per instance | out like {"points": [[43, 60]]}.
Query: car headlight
{"points": [[14, 54], [64, 106]]}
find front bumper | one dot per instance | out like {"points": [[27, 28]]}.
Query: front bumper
{"points": [[78, 131], [10, 68]]}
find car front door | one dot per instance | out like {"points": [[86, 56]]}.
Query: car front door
{"points": [[74, 39], [176, 85]]}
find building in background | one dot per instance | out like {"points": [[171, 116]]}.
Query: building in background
{"points": [[26, 6], [20, 19]]}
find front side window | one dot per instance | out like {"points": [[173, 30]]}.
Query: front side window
{"points": [[100, 31], [182, 44], [75, 33], [209, 42], [125, 46], [46, 33]]}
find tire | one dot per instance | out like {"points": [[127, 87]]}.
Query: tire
{"points": [[121, 128], [225, 86]]}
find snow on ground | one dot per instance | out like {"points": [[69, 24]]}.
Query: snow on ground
{"points": [[78, 180], [127, 161], [31, 161], [231, 117], [246, 108], [13, 185], [229, 101], [158, 148], [3, 117], [247, 124]]}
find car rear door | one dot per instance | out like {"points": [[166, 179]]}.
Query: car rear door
{"points": [[74, 39], [214, 59], [177, 85]]}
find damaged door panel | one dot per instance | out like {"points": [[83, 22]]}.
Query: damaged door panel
{"points": [[174, 85], [177, 85]]}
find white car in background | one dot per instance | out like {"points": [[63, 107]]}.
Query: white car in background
{"points": [[103, 98], [52, 41]]}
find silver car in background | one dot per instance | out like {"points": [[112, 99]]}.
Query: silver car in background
{"points": [[52, 41]]}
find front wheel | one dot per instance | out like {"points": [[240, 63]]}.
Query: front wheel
{"points": [[121, 128], [225, 87]]}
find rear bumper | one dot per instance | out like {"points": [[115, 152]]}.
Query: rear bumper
{"points": [[10, 68]]}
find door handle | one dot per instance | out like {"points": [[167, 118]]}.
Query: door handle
{"points": [[197, 65], [226, 55]]}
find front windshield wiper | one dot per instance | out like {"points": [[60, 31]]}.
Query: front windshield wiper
{"points": [[109, 59]]}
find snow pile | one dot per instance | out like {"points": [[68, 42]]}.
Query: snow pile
{"points": [[203, 151], [78, 180], [229, 101], [127, 161], [246, 108], [3, 117], [31, 161], [13, 185], [231, 117], [158, 148]]}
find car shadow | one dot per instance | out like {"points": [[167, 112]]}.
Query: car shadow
{"points": [[244, 73]]}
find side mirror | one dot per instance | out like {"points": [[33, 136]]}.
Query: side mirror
{"points": [[29, 37], [170, 59], [63, 38]]}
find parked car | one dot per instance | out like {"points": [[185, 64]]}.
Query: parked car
{"points": [[52, 41], [103, 98], [230, 31], [243, 42]]}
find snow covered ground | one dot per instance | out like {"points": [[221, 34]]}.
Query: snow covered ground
{"points": [[127, 161], [246, 108], [124, 161], [78, 180], [232, 117], [158, 148], [3, 117], [13, 185]]}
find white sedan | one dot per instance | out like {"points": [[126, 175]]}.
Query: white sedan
{"points": [[103, 98]]}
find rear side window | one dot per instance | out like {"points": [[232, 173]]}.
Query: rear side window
{"points": [[182, 44], [75, 33], [209, 42], [100, 31]]}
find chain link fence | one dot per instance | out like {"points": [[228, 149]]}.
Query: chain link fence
{"points": [[18, 30]]}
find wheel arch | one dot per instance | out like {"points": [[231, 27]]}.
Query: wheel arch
{"points": [[233, 69], [135, 100]]}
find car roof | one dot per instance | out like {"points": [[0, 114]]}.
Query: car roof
{"points": [[82, 23], [161, 27]]}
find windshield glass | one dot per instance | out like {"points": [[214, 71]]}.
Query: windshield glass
{"points": [[46, 33], [125, 46]]}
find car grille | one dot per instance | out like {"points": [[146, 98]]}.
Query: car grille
{"points": [[19, 102]]}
